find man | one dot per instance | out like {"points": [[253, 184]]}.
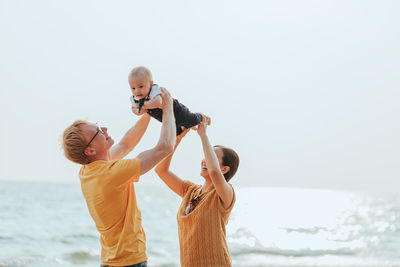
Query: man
{"points": [[107, 181]]}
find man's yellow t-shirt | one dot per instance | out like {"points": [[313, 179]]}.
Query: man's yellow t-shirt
{"points": [[110, 196]]}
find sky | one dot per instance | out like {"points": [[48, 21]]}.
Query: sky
{"points": [[307, 92]]}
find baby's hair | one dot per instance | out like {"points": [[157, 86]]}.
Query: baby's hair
{"points": [[139, 71]]}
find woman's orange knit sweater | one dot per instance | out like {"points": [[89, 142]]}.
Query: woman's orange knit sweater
{"points": [[202, 235]]}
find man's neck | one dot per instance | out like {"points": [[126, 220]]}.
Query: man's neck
{"points": [[105, 157]]}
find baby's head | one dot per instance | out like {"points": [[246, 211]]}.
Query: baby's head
{"points": [[140, 81]]}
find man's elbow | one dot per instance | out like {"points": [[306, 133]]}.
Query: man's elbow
{"points": [[165, 150], [168, 149]]}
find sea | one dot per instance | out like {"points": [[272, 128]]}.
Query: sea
{"points": [[48, 224]]}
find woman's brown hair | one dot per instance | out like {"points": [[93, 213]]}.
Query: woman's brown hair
{"points": [[230, 159]]}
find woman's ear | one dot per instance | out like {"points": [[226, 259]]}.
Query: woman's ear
{"points": [[225, 169]]}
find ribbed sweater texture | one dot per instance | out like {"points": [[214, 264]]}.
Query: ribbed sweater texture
{"points": [[202, 234]]}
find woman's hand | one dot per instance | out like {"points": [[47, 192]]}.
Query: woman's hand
{"points": [[202, 127]]}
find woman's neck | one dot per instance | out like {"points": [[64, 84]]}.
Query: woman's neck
{"points": [[207, 186]]}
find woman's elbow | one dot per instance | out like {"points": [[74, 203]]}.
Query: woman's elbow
{"points": [[161, 172], [158, 171]]}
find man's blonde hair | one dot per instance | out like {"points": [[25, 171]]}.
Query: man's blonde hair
{"points": [[141, 70], [74, 143]]}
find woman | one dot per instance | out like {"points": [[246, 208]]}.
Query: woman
{"points": [[205, 209]]}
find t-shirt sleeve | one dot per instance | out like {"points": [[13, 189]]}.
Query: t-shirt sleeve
{"points": [[124, 171]]}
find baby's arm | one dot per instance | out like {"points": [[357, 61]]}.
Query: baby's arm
{"points": [[154, 102]]}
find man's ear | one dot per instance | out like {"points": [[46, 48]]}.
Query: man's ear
{"points": [[225, 169], [151, 83], [90, 151]]}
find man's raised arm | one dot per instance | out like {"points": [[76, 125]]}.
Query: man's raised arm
{"points": [[149, 158], [130, 139]]}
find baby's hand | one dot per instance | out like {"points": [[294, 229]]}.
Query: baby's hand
{"points": [[135, 110]]}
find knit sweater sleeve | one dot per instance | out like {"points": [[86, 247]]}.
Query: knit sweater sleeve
{"points": [[186, 185], [228, 209]]}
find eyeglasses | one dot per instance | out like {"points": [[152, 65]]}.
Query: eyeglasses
{"points": [[191, 203], [99, 130]]}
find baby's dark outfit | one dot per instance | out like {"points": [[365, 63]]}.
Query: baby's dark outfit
{"points": [[183, 116]]}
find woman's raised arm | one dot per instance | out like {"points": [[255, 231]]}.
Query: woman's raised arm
{"points": [[224, 190], [163, 171]]}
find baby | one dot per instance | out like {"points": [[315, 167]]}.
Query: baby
{"points": [[145, 98]]}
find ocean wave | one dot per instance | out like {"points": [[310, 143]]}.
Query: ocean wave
{"points": [[84, 236], [5, 238], [20, 261], [313, 230], [244, 242], [240, 250], [81, 257], [78, 237], [74, 238]]}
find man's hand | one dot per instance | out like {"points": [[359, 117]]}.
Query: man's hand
{"points": [[167, 101], [152, 103], [149, 158]]}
